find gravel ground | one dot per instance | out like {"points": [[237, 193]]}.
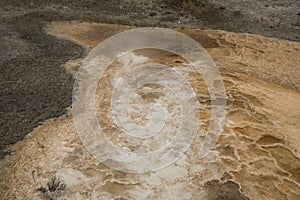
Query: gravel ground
{"points": [[35, 87]]}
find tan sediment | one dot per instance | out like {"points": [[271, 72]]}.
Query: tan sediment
{"points": [[257, 155]]}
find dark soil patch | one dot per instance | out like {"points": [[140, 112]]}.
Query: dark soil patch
{"points": [[34, 87]]}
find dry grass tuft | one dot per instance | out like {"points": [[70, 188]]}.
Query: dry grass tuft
{"points": [[53, 188]]}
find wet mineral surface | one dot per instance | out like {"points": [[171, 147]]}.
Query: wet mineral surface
{"points": [[257, 155]]}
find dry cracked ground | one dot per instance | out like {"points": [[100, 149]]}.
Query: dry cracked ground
{"points": [[256, 157]]}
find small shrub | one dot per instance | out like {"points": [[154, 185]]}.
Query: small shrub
{"points": [[53, 188]]}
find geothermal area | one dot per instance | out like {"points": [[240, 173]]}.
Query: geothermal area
{"points": [[228, 130]]}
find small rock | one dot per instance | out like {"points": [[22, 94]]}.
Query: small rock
{"points": [[152, 14]]}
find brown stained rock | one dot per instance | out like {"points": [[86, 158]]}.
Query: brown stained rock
{"points": [[223, 191]]}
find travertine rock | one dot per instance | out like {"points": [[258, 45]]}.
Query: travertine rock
{"points": [[257, 155]]}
